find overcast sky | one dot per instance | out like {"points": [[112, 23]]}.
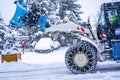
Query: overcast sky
{"points": [[7, 9], [89, 7]]}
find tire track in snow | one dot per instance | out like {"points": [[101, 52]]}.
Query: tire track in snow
{"points": [[33, 73], [58, 73]]}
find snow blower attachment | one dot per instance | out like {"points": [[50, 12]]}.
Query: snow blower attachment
{"points": [[82, 57], [28, 15], [21, 10], [29, 20]]}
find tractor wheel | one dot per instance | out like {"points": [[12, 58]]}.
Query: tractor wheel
{"points": [[81, 59]]}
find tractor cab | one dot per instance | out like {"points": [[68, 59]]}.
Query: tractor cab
{"points": [[109, 21], [108, 28]]}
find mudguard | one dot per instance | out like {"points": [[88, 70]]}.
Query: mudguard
{"points": [[99, 56], [21, 10]]}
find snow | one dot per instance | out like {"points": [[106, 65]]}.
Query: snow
{"points": [[46, 43], [69, 26], [51, 66], [41, 44], [37, 58]]}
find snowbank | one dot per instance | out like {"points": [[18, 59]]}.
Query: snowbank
{"points": [[56, 56], [34, 66]]}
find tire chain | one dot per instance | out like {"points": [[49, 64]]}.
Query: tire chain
{"points": [[85, 47]]}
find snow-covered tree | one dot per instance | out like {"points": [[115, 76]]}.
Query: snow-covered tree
{"points": [[70, 5], [58, 9], [7, 40]]}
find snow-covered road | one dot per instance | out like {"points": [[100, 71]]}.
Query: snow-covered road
{"points": [[35, 66], [57, 71]]}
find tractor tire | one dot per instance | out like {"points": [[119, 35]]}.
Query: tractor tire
{"points": [[81, 58]]}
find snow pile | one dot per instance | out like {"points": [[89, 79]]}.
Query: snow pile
{"points": [[57, 56], [34, 66]]}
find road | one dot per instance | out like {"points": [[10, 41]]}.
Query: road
{"points": [[58, 71]]}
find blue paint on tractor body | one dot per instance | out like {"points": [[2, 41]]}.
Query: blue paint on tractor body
{"points": [[115, 50], [42, 22]]}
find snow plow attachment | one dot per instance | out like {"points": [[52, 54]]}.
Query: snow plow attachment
{"points": [[21, 10]]}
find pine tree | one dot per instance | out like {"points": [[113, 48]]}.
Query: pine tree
{"points": [[57, 9], [7, 40], [70, 5]]}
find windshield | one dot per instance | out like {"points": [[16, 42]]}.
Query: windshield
{"points": [[113, 14]]}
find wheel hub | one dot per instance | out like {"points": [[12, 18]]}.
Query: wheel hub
{"points": [[80, 59]]}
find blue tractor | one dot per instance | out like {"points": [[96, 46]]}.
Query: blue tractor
{"points": [[103, 45]]}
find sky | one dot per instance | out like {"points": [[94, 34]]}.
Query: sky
{"points": [[7, 9], [89, 7]]}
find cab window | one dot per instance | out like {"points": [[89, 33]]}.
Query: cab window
{"points": [[101, 21]]}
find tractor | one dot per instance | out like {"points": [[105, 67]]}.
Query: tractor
{"points": [[104, 45]]}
